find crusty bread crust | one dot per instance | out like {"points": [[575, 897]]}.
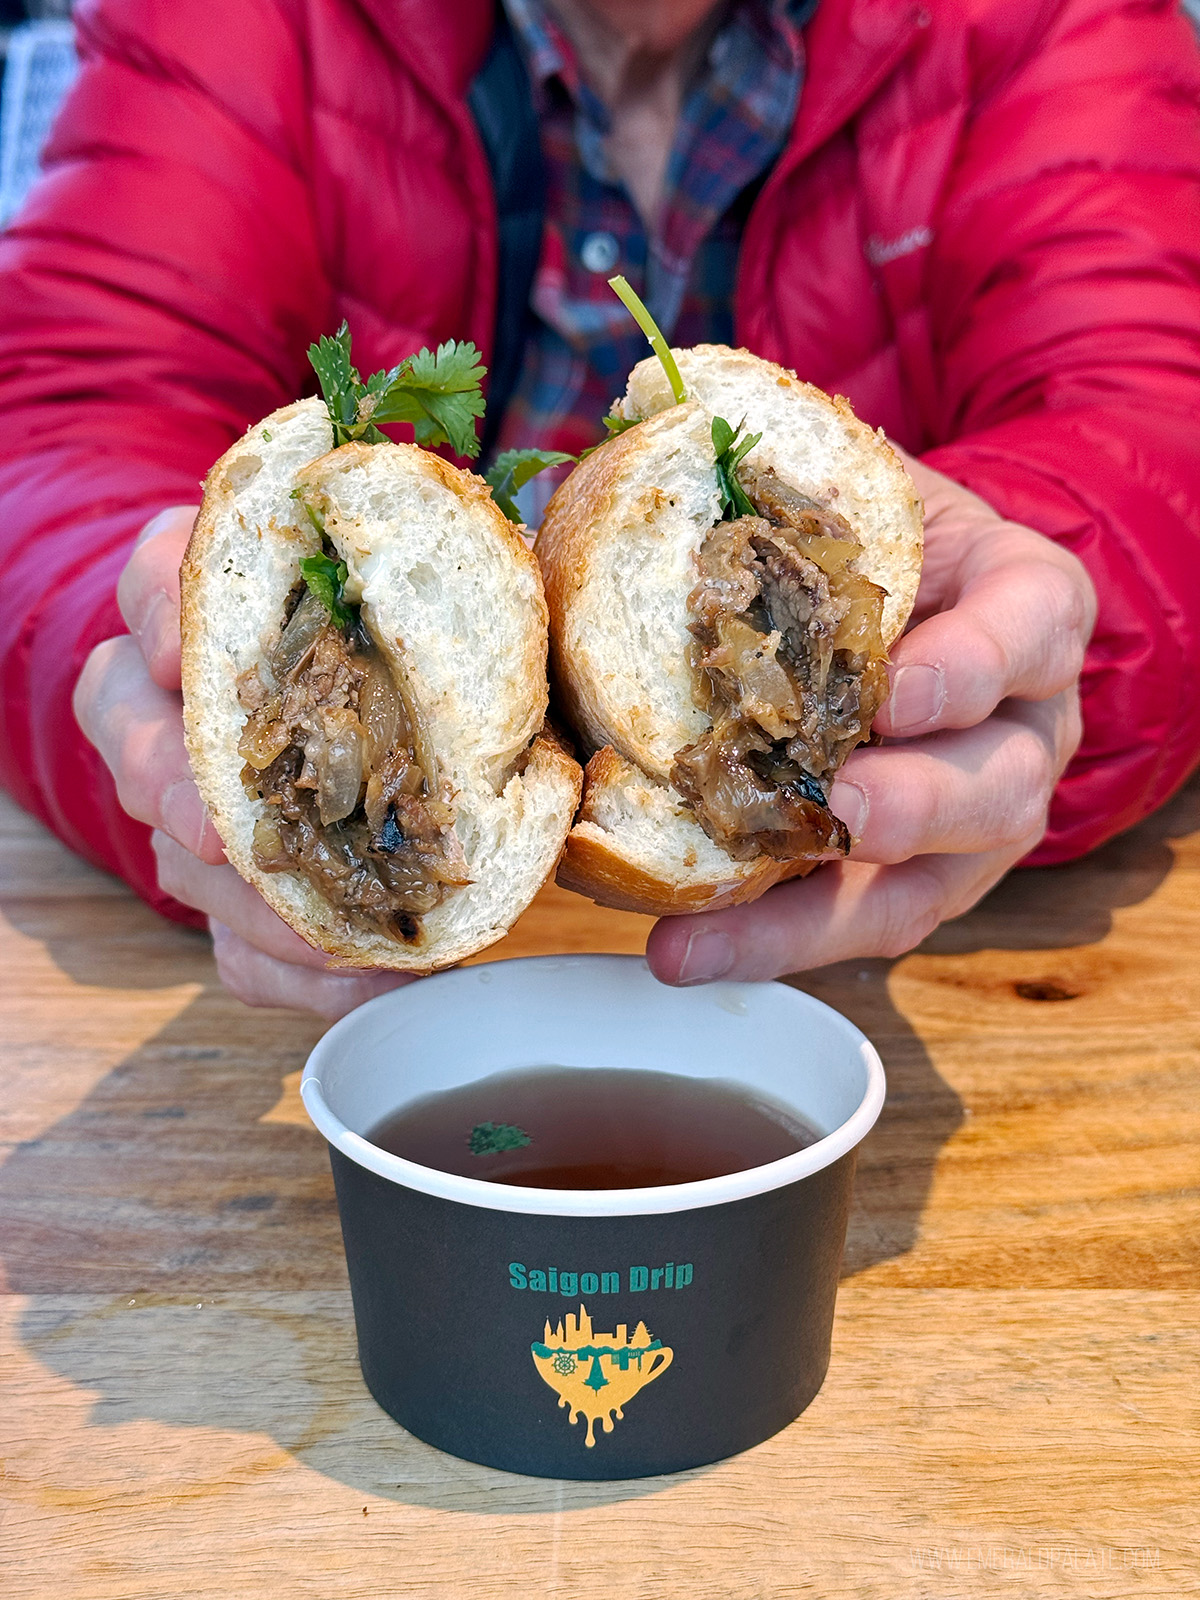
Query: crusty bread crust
{"points": [[449, 586], [601, 859], [618, 548], [608, 486]]}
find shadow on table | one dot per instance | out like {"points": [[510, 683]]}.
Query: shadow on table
{"points": [[1037, 910], [181, 1251], [175, 1192], [1055, 908]]}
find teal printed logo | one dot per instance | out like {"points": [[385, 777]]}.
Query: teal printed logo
{"points": [[637, 1280]]}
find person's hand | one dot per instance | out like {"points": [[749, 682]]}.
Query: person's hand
{"points": [[129, 706], [982, 718]]}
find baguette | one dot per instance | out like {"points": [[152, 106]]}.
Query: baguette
{"points": [[621, 548], [452, 614]]}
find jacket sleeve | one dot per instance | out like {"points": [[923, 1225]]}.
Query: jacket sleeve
{"points": [[1064, 286], [159, 288]]}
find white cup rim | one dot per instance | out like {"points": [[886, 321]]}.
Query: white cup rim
{"points": [[588, 1202]]}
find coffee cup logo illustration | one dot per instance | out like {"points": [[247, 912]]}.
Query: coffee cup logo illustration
{"points": [[597, 1374]]}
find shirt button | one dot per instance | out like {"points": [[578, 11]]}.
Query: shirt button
{"points": [[599, 252]]}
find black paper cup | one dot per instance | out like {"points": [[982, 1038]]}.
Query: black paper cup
{"points": [[609, 1333]]}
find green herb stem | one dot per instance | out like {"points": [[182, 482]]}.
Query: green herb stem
{"points": [[633, 304]]}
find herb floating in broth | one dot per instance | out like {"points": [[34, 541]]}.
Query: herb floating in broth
{"points": [[489, 1138], [597, 1128]]}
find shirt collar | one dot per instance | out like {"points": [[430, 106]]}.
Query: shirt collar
{"points": [[549, 55]]}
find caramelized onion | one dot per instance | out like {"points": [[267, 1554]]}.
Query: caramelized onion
{"points": [[269, 852], [418, 728], [789, 660], [263, 743], [861, 629], [745, 663], [265, 737], [298, 638], [337, 751], [381, 709], [831, 555]]}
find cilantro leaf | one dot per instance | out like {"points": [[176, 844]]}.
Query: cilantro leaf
{"points": [[326, 579], [729, 456], [615, 425], [722, 435], [339, 380], [438, 392], [612, 427], [513, 469], [489, 1138]]}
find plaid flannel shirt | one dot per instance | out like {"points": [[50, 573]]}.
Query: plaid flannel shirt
{"points": [[734, 122]]}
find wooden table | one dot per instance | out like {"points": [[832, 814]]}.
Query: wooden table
{"points": [[1012, 1404]]}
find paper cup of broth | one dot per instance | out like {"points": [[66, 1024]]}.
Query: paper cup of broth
{"points": [[593, 1224]]}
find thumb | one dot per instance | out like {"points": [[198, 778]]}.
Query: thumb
{"points": [[843, 910], [148, 591]]}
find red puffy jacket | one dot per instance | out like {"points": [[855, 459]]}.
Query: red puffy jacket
{"points": [[985, 231]]}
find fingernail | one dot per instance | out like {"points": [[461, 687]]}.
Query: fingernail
{"points": [[918, 694], [849, 803], [708, 955], [183, 815], [155, 625], [156, 525]]}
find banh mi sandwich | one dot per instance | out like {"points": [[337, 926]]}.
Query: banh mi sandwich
{"points": [[364, 673], [725, 575]]}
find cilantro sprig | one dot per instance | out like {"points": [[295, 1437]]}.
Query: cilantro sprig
{"points": [[513, 469], [326, 577], [438, 392], [730, 451], [735, 502]]}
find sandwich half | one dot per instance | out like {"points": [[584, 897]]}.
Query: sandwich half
{"points": [[367, 730], [719, 627]]}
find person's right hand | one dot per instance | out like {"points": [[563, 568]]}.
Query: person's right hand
{"points": [[129, 705]]}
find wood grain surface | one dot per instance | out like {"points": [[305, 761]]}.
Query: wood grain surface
{"points": [[1012, 1404]]}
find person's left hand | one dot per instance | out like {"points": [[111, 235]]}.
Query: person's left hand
{"points": [[982, 718]]}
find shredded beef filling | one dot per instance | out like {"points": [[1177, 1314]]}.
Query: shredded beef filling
{"points": [[339, 757], [790, 666]]}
